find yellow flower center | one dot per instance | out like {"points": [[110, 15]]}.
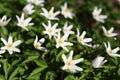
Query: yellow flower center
{"points": [[66, 10], [22, 22], [3, 23], [9, 45], [69, 63], [65, 30], [60, 41], [50, 30], [111, 52], [37, 45], [80, 39], [50, 15], [34, 1], [108, 33], [95, 15]]}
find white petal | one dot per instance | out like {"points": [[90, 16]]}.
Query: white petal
{"points": [[65, 48], [77, 61], [104, 30], [16, 43], [42, 40], [111, 30], [42, 49], [116, 50], [36, 40], [2, 51], [72, 70], [4, 47], [87, 40], [78, 34], [78, 68], [115, 55], [10, 40], [71, 55], [22, 16], [113, 34], [64, 58], [56, 13], [10, 52], [4, 18], [105, 45], [16, 49], [83, 34], [51, 10], [109, 47], [4, 41], [64, 67]]}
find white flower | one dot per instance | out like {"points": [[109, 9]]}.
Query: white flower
{"points": [[37, 44], [71, 64], [50, 14], [108, 33], [97, 15], [10, 45], [111, 52], [28, 9], [51, 30], [36, 2], [4, 21], [67, 29], [61, 42], [83, 40], [98, 62], [23, 23], [66, 12]]}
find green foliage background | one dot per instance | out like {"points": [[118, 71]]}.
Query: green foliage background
{"points": [[32, 64]]}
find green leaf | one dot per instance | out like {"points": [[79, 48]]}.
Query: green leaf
{"points": [[119, 71], [6, 68], [41, 63], [70, 77], [15, 62], [58, 57], [37, 70], [1, 77], [13, 74], [50, 75], [4, 30], [31, 58], [29, 41]]}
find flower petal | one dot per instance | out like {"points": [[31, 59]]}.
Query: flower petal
{"points": [[64, 58], [4, 41], [16, 43], [78, 60]]}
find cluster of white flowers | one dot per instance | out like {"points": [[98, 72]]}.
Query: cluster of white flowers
{"points": [[62, 40], [99, 61]]}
